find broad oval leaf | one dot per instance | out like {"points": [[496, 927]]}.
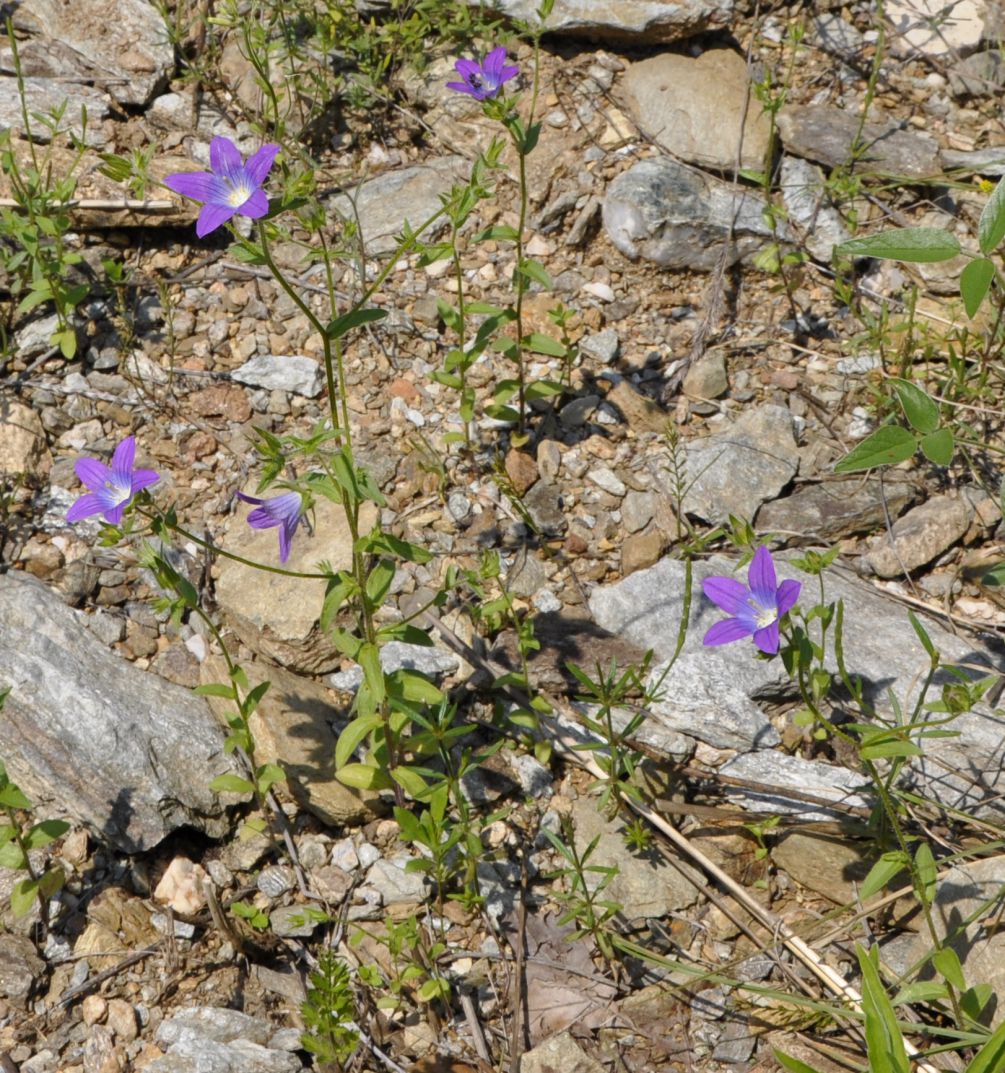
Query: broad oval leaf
{"points": [[364, 777], [231, 784], [918, 244], [921, 411], [353, 319], [991, 226], [975, 281], [938, 447], [885, 447]]}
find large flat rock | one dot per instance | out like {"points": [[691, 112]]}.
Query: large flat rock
{"points": [[85, 732], [122, 46]]}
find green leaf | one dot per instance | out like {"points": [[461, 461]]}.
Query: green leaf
{"points": [[938, 447], [267, 776], [927, 873], [885, 447], [991, 1057], [889, 748], [921, 411], [926, 641], [884, 870], [364, 777], [540, 343], [409, 779], [353, 736], [373, 672], [498, 231], [535, 271], [11, 797], [918, 244], [974, 999], [543, 389], [23, 896], [45, 832], [411, 686], [353, 319], [215, 689], [231, 784], [883, 1037], [991, 226], [975, 281], [11, 857], [946, 963], [792, 1064]]}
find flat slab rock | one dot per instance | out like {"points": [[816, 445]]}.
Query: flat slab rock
{"points": [[715, 694], [649, 21], [826, 134], [677, 217], [122, 46], [678, 99], [124, 751]]}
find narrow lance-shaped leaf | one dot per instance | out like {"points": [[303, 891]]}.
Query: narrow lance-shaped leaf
{"points": [[918, 244], [991, 226], [975, 281]]}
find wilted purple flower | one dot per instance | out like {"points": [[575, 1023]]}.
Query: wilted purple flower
{"points": [[284, 511], [111, 490], [756, 608], [484, 80], [231, 188]]}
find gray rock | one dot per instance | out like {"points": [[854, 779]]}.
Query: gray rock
{"points": [[397, 886], [676, 99], [45, 95], [829, 864], [836, 36], [280, 372], [560, 1052], [645, 885], [933, 27], [648, 21], [275, 614], [526, 575], [834, 509], [211, 1040], [20, 968], [275, 880], [989, 162], [397, 655], [125, 752], [23, 449], [826, 134], [921, 535], [603, 346], [384, 204], [738, 469], [979, 75], [637, 510], [608, 480], [711, 693], [707, 377], [811, 213], [576, 413], [664, 212], [123, 46], [810, 776], [544, 504], [173, 111], [292, 922], [970, 889]]}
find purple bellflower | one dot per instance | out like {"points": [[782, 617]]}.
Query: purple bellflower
{"points": [[484, 80], [755, 608], [111, 489], [284, 511], [231, 188]]}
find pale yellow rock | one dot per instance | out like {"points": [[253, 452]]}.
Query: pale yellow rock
{"points": [[180, 888], [23, 448]]}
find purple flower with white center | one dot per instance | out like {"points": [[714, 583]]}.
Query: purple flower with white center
{"points": [[484, 80], [111, 489], [283, 511], [231, 188], [756, 608]]}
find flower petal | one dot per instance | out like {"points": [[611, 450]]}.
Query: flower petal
{"points": [[249, 499], [224, 157], [788, 593], [141, 479], [84, 507], [467, 68], [767, 639], [726, 593], [262, 518], [260, 163], [761, 577], [285, 539], [212, 217], [123, 459], [197, 185], [114, 515], [725, 632], [494, 62], [93, 473], [256, 206]]}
